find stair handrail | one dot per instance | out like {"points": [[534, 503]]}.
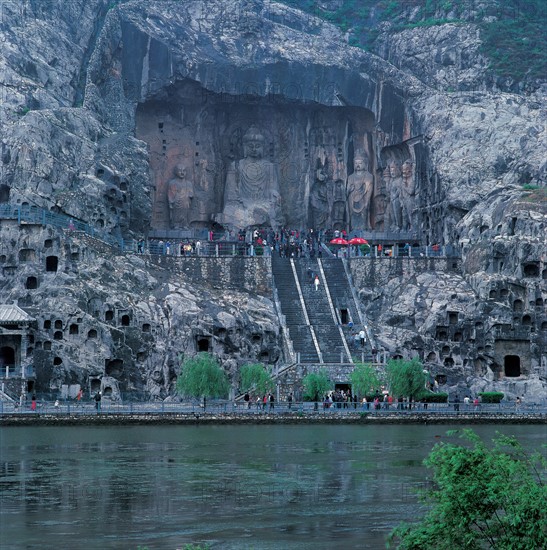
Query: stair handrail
{"points": [[305, 310], [332, 310], [362, 316], [287, 340]]}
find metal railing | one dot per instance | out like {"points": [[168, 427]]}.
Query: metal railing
{"points": [[40, 216], [214, 407]]}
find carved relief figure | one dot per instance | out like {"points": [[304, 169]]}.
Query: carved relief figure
{"points": [[319, 203], [360, 187], [251, 193], [338, 212], [395, 192], [408, 191], [180, 192]]}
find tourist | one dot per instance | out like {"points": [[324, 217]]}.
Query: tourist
{"points": [[289, 400], [247, 400], [271, 399], [316, 283], [98, 401], [362, 337], [457, 403], [33, 403]]}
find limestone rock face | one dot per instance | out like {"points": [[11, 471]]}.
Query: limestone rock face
{"points": [[100, 103]]}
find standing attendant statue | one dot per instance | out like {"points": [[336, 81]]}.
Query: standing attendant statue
{"points": [[360, 186], [179, 197]]}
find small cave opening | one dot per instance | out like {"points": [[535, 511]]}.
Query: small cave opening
{"points": [[431, 357], [493, 295], [58, 335], [458, 337], [92, 334], [47, 346], [527, 320], [32, 283], [531, 269], [108, 315], [52, 263], [512, 366], [57, 361], [58, 324], [518, 306], [48, 243], [74, 329], [27, 255], [203, 343], [114, 368], [95, 385], [441, 379], [125, 320], [449, 362], [504, 292], [146, 327]]}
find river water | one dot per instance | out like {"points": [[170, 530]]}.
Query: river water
{"points": [[233, 487]]}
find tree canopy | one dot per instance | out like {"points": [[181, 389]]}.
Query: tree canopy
{"points": [[202, 376], [256, 378], [481, 497], [406, 378], [316, 384], [364, 380]]}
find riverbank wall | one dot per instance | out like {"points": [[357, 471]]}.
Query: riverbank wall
{"points": [[264, 418]]}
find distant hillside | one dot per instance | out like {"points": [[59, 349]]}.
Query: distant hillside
{"points": [[513, 32]]}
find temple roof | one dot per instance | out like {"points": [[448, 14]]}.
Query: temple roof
{"points": [[13, 314]]}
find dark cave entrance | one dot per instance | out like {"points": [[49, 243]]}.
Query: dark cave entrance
{"points": [[512, 366]]}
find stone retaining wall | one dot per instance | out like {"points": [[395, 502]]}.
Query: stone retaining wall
{"points": [[265, 418], [373, 272]]}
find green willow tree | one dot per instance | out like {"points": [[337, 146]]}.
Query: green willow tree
{"points": [[406, 378], [481, 497], [316, 385], [201, 376], [364, 380], [255, 378]]}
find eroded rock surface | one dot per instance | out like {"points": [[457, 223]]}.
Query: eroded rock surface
{"points": [[100, 103]]}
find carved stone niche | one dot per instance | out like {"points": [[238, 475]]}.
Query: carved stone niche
{"points": [[240, 161]]}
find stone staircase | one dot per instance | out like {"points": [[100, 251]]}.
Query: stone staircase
{"points": [[343, 300], [291, 307], [320, 313]]}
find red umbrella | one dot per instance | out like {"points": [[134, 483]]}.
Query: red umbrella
{"points": [[339, 240], [358, 240]]}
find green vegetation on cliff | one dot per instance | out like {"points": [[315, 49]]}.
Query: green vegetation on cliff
{"points": [[514, 33]]}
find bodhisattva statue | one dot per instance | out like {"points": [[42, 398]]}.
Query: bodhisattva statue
{"points": [[251, 193], [180, 192], [395, 192], [360, 187], [319, 202], [408, 190]]}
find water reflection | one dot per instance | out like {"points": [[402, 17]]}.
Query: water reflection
{"points": [[230, 486]]}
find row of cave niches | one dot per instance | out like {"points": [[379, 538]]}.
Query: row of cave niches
{"points": [[59, 328]]}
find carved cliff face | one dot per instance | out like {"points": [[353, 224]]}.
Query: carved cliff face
{"points": [[272, 172]]}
